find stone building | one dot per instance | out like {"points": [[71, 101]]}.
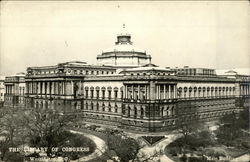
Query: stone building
{"points": [[2, 90], [14, 90], [127, 91]]}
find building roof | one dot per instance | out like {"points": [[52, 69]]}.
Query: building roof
{"points": [[234, 71], [17, 74], [2, 77], [124, 48], [149, 67]]}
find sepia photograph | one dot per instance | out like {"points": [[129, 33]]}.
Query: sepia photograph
{"points": [[124, 81]]}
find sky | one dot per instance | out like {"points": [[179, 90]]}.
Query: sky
{"points": [[175, 33]]}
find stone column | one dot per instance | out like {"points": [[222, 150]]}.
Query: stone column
{"points": [[55, 89], [52, 88], [157, 91], [164, 91], [152, 90], [72, 88], [132, 87], [31, 87], [27, 88], [147, 92], [64, 88], [125, 93], [174, 91], [139, 94], [44, 88], [38, 88], [169, 91], [47, 88]]}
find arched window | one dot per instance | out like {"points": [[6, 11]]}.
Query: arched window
{"points": [[135, 112], [167, 111], [204, 90], [162, 111], [116, 108], [129, 109], [185, 92], [230, 91], [190, 91], [199, 91], [97, 92], [216, 91], [103, 92], [195, 91], [86, 92], [91, 92], [142, 112], [87, 106], [179, 92], [109, 107], [212, 91], [92, 106], [115, 92], [173, 111], [208, 90], [109, 92], [97, 106], [103, 107]]}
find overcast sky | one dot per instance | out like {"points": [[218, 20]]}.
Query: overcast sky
{"points": [[197, 34]]}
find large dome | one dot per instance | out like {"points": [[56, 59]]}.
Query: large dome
{"points": [[123, 54]]}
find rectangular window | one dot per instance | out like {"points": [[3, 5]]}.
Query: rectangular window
{"points": [[109, 94], [86, 93]]}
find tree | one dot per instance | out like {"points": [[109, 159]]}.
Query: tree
{"points": [[244, 119], [10, 136], [229, 129], [45, 128], [124, 149], [188, 128]]}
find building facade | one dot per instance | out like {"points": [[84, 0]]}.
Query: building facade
{"points": [[2, 90], [14, 90], [127, 91]]}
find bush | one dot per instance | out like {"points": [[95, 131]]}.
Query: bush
{"points": [[245, 144], [183, 158], [173, 151], [197, 159]]}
